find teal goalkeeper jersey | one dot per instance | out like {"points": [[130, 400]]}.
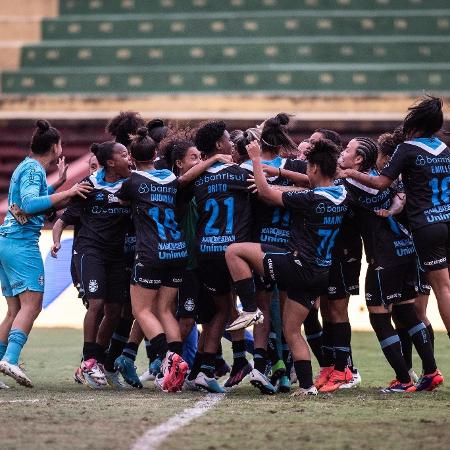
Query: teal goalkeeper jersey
{"points": [[28, 182]]}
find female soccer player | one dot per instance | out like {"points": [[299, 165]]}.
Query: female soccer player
{"points": [[303, 266], [391, 275], [21, 266], [98, 256]]}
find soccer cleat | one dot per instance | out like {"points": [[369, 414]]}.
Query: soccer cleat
{"points": [[3, 385], [221, 369], [113, 379], [209, 384], [323, 376], [302, 392], [127, 369], [189, 385], [153, 369], [354, 381], [278, 370], [284, 385], [428, 382], [395, 386], [14, 371], [293, 375], [336, 380], [246, 319], [413, 375], [92, 374], [260, 381], [78, 376], [174, 369], [236, 377], [159, 381]]}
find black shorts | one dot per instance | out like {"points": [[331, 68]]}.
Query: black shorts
{"points": [[100, 278], [266, 284], [423, 286], [304, 284], [392, 285], [432, 244], [215, 275], [188, 295], [153, 278], [344, 279]]}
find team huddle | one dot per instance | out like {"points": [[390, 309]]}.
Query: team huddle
{"points": [[174, 226]]}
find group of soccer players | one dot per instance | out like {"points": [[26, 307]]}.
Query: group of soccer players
{"points": [[173, 226]]}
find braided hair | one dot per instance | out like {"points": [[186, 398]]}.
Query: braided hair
{"points": [[367, 148]]}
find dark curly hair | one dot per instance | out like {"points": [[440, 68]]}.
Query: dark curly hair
{"points": [[174, 147], [426, 117], [124, 125], [325, 154], [208, 134]]}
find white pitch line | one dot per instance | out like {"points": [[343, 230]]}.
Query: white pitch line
{"points": [[37, 400], [34, 400], [153, 437]]}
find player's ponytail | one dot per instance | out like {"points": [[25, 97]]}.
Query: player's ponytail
{"points": [[275, 136], [425, 118], [142, 147], [44, 137], [103, 152]]}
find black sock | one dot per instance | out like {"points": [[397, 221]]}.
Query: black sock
{"points": [[176, 347], [117, 343], [148, 349], [314, 332], [390, 344], [350, 360], [260, 359], [419, 335], [342, 333], [327, 347], [130, 350], [245, 290], [303, 369], [101, 354], [272, 348], [219, 354], [448, 334], [159, 345], [239, 359], [431, 333], [89, 350], [207, 366], [405, 340], [196, 366]]}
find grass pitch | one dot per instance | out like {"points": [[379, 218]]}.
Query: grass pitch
{"points": [[59, 414]]}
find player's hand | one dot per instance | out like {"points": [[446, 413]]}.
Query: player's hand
{"points": [[225, 159], [270, 171], [252, 188], [55, 249], [341, 173], [383, 213], [253, 150], [62, 169], [80, 189]]}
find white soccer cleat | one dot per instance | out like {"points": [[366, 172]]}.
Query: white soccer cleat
{"points": [[113, 379], [260, 381], [15, 372], [3, 385], [147, 376], [208, 384], [301, 392], [93, 374], [246, 319], [189, 385], [355, 381]]}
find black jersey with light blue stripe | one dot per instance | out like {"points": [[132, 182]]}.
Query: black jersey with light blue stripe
{"points": [[316, 216], [271, 223], [424, 164], [159, 239], [387, 243], [224, 212], [102, 220]]}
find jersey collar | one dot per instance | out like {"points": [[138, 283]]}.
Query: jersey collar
{"points": [[98, 181], [431, 145], [162, 176], [336, 194]]}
